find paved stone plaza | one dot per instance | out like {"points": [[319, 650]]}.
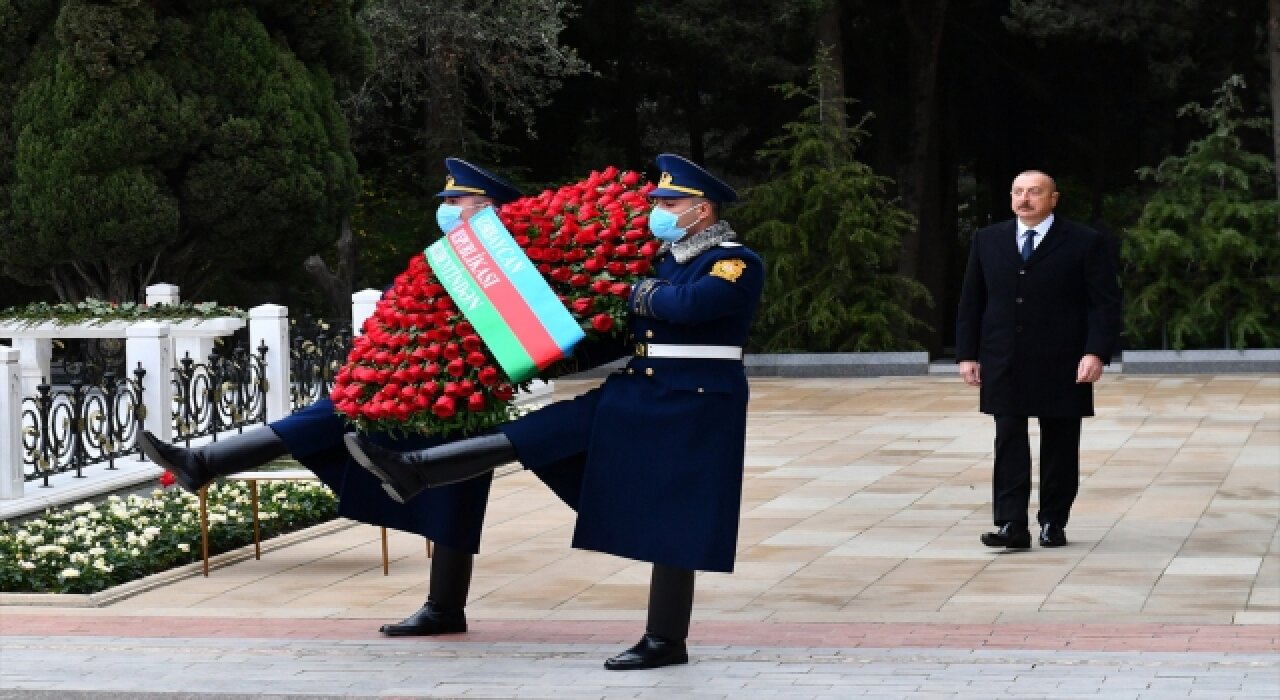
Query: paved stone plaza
{"points": [[859, 574]]}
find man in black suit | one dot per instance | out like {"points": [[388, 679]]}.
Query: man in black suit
{"points": [[1039, 316]]}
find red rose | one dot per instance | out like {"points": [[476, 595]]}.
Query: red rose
{"points": [[476, 359], [638, 267], [471, 343], [503, 392], [616, 269], [593, 266], [475, 403], [488, 376], [582, 305], [456, 368], [167, 479], [444, 407], [452, 351], [602, 322], [620, 289], [580, 279], [630, 178]]}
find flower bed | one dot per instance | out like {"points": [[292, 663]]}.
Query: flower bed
{"points": [[91, 547]]}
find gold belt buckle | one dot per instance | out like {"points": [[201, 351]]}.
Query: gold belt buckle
{"points": [[642, 350]]}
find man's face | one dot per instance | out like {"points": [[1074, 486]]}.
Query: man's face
{"points": [[1033, 197], [470, 204], [687, 209]]}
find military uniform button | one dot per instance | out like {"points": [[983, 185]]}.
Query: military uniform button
{"points": [[1022, 272], [701, 391], [648, 371], [631, 370], [1019, 300], [648, 333]]}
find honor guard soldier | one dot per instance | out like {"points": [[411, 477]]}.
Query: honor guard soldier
{"points": [[652, 460], [450, 517]]}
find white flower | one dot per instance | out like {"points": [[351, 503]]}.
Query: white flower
{"points": [[233, 513], [35, 539], [26, 565], [142, 520], [187, 517], [96, 551], [102, 565], [151, 532], [81, 521], [79, 557], [156, 493], [217, 518], [64, 540], [184, 547], [144, 541], [114, 498], [50, 549], [21, 535], [95, 515], [82, 507], [131, 537], [69, 573]]}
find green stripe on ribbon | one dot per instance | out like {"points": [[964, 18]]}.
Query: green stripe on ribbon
{"points": [[475, 305]]}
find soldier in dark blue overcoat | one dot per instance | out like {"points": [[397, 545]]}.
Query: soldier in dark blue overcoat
{"points": [[652, 460], [451, 517]]}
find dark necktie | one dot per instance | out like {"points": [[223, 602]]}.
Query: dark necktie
{"points": [[1029, 244]]}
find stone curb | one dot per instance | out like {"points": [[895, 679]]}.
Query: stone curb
{"points": [[1259, 361], [129, 589]]}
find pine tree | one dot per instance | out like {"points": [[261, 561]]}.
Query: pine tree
{"points": [[1202, 265], [174, 141], [830, 238]]}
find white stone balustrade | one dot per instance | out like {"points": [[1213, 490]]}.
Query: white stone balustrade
{"points": [[11, 480]]}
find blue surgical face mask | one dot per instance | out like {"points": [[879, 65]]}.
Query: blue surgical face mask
{"points": [[448, 216], [662, 224]]}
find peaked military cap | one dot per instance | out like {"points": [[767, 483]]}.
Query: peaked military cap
{"points": [[682, 177], [466, 179]]}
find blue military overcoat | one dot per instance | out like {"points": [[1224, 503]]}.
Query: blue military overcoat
{"points": [[451, 515], [652, 460]]}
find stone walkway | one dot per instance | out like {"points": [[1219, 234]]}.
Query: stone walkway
{"points": [[859, 575]]}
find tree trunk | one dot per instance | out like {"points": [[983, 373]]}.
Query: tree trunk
{"points": [[924, 248], [336, 283], [830, 36], [1273, 37]]}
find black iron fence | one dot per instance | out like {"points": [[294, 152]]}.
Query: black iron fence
{"points": [[226, 392], [67, 429], [94, 414], [317, 351]]}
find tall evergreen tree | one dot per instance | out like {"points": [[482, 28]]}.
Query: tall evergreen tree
{"points": [[175, 141], [830, 237], [1202, 265]]}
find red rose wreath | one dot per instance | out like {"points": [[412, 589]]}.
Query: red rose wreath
{"points": [[419, 366]]}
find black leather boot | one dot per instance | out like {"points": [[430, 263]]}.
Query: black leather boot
{"points": [[194, 467], [651, 651], [670, 607], [406, 474], [443, 611]]}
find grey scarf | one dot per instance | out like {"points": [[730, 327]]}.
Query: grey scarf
{"points": [[690, 247]]}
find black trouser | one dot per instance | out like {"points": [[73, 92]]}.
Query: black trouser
{"points": [[1059, 469], [670, 602]]}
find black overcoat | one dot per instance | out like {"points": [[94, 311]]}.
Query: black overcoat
{"points": [[1029, 323]]}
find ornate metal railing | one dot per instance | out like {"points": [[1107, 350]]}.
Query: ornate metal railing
{"points": [[226, 392], [66, 430], [317, 351]]}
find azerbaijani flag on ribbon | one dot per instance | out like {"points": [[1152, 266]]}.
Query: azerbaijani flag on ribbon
{"points": [[502, 294]]}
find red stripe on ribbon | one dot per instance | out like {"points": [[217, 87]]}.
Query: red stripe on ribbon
{"points": [[504, 296]]}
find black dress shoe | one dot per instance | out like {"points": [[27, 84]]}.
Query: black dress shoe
{"points": [[429, 620], [1052, 535], [1010, 536], [651, 652]]}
